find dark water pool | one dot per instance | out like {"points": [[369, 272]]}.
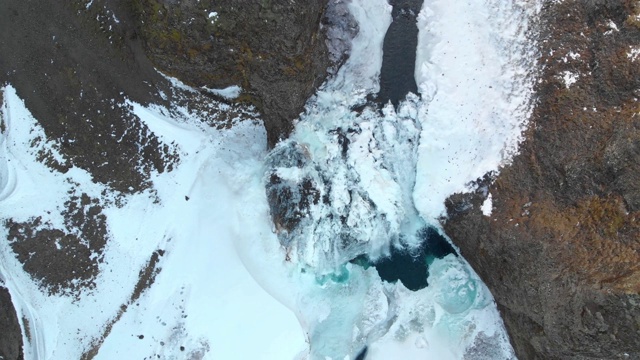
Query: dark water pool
{"points": [[411, 267]]}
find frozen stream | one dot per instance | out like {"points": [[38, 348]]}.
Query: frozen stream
{"points": [[300, 252], [359, 186]]}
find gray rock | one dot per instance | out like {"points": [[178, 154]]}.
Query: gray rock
{"points": [[10, 336]]}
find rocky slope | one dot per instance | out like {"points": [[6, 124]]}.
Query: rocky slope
{"points": [[77, 63], [274, 50], [560, 250]]}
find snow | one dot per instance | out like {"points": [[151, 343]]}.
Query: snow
{"points": [[204, 298], [360, 75], [487, 206], [634, 53], [612, 26], [204, 275], [569, 78], [230, 92], [227, 288], [33, 190], [474, 71]]}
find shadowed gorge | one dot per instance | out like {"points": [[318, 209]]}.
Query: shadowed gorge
{"points": [[397, 75]]}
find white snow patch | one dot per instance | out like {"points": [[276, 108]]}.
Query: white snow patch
{"points": [[612, 26], [572, 55], [569, 78], [474, 69], [360, 74], [204, 299], [487, 206], [176, 83], [60, 327], [230, 92]]}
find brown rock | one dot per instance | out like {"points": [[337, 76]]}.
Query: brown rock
{"points": [[273, 49], [561, 250]]}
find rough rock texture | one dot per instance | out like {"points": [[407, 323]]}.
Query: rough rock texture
{"points": [[11, 337], [561, 249], [45, 251], [73, 66], [273, 49]]}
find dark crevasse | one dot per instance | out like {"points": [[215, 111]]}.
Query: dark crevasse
{"points": [[399, 53]]}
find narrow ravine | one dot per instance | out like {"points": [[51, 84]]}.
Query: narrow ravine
{"points": [[342, 195]]}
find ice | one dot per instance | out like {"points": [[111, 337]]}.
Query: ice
{"points": [[351, 182], [364, 181], [360, 74]]}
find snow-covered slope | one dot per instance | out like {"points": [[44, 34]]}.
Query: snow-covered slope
{"points": [[203, 299], [475, 69]]}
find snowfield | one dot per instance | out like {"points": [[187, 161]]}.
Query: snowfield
{"points": [[221, 285], [204, 299]]}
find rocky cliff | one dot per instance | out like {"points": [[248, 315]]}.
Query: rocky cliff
{"points": [[274, 49], [11, 337], [561, 248]]}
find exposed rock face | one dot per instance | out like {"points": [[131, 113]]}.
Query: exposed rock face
{"points": [[84, 57], [11, 338], [273, 49], [561, 249]]}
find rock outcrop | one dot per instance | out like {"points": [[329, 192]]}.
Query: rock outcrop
{"points": [[275, 50], [10, 337], [561, 248], [76, 64]]}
